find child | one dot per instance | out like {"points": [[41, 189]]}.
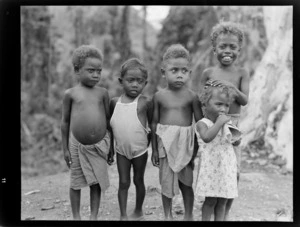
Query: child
{"points": [[172, 130], [131, 114], [217, 176], [85, 139], [227, 39]]}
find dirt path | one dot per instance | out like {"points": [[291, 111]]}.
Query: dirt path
{"points": [[261, 196]]}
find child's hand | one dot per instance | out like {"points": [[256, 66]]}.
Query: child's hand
{"points": [[222, 119], [67, 157], [155, 159], [221, 83], [110, 158], [192, 163], [236, 143]]}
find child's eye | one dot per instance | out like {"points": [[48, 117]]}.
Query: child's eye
{"points": [[184, 71], [90, 70], [99, 71], [173, 70], [140, 81]]}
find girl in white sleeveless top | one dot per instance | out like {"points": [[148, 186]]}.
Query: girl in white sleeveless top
{"points": [[131, 114]]}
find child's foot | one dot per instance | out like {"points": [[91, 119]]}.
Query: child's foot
{"points": [[123, 218], [226, 217], [93, 217], [138, 216], [188, 218], [168, 218], [77, 217]]}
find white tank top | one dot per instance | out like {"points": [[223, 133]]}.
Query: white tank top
{"points": [[130, 136]]}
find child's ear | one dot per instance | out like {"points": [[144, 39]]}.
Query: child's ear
{"points": [[120, 80], [146, 82], [162, 70], [214, 50]]}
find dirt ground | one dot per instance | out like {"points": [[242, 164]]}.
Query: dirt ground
{"points": [[263, 196]]}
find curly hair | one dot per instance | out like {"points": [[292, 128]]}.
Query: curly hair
{"points": [[227, 28], [206, 93], [133, 63], [176, 51], [82, 53]]}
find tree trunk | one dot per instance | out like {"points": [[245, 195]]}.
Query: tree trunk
{"points": [[145, 33], [125, 43], [267, 119]]}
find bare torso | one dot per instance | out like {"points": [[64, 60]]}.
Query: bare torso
{"points": [[88, 115], [233, 76], [175, 107]]}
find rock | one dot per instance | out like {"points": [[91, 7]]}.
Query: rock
{"points": [[148, 212], [153, 189], [31, 192], [48, 207], [30, 218]]}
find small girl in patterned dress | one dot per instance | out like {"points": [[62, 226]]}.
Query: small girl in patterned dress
{"points": [[217, 180]]}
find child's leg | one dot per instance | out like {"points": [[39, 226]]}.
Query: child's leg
{"points": [[139, 165], [123, 165], [167, 205], [75, 203], [230, 201], [188, 200], [208, 208], [220, 209], [95, 194]]}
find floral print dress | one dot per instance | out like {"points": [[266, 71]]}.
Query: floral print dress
{"points": [[217, 175]]}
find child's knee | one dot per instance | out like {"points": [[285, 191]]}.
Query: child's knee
{"points": [[138, 181], [124, 185], [222, 201], [210, 201]]}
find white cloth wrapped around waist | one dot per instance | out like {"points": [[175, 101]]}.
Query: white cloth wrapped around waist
{"points": [[178, 142]]}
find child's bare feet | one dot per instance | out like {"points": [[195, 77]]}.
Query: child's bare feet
{"points": [[93, 217], [137, 215], [123, 218]]}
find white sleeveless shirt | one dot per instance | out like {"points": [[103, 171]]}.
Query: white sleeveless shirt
{"points": [[130, 136]]}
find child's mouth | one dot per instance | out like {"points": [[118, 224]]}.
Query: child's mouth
{"points": [[227, 58]]}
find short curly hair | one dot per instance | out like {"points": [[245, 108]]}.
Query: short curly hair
{"points": [[82, 53], [133, 63], [176, 51], [206, 93], [227, 27]]}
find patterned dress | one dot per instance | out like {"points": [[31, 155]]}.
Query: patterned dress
{"points": [[217, 175]]}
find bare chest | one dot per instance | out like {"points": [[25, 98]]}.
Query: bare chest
{"points": [[233, 77]]}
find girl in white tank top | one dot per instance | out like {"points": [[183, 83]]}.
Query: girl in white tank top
{"points": [[130, 135]]}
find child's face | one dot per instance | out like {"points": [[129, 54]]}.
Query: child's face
{"points": [[133, 82], [90, 73], [219, 103], [227, 48], [177, 72]]}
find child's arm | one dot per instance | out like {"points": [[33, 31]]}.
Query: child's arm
{"points": [[110, 157], [204, 77], [111, 153], [65, 126], [106, 107], [197, 115], [197, 108], [149, 117], [208, 134], [154, 158], [242, 92]]}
